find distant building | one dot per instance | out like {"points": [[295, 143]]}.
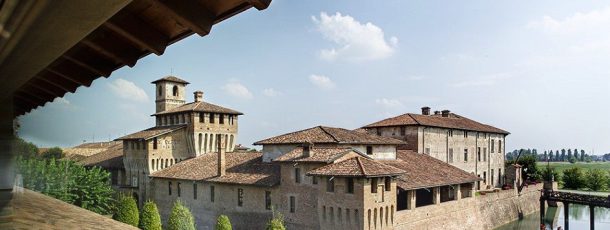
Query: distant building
{"points": [[469, 145]]}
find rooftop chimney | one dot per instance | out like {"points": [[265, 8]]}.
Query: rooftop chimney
{"points": [[425, 110], [198, 96], [221, 155], [445, 113], [307, 150]]}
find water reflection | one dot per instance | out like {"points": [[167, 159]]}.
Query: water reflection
{"points": [[579, 219]]}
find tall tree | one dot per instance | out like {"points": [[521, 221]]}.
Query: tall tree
{"points": [[546, 156], [180, 218], [576, 155], [563, 155], [569, 154], [149, 217], [557, 158], [127, 210], [582, 155]]}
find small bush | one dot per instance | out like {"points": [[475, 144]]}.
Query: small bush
{"points": [[149, 217], [53, 153], [573, 178], [127, 210], [549, 174], [277, 223], [223, 223], [180, 218], [596, 179]]}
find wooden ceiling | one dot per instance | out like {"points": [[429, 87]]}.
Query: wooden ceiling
{"points": [[140, 28]]}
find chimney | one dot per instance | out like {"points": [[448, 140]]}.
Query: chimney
{"points": [[437, 112], [425, 110], [445, 113], [307, 150], [198, 96], [221, 155]]}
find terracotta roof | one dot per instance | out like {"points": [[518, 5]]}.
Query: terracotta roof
{"points": [[96, 145], [200, 107], [151, 132], [242, 168], [110, 158], [423, 171], [323, 134], [317, 155], [454, 121], [357, 167], [172, 79]]}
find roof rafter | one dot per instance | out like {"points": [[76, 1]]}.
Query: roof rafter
{"points": [[192, 15], [138, 32]]}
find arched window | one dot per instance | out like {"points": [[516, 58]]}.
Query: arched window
{"points": [[231, 144], [175, 91], [200, 142], [205, 143], [160, 91]]}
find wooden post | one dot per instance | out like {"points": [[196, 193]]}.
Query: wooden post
{"points": [[566, 215], [591, 217], [542, 211]]}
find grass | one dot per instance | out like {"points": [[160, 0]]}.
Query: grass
{"points": [[561, 166]]}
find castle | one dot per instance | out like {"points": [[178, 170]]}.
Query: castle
{"points": [[318, 178]]}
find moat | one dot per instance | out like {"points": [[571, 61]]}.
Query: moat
{"points": [[579, 219]]}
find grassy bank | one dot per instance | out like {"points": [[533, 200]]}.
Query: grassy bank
{"points": [[561, 166]]}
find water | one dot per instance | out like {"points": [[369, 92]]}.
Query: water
{"points": [[579, 219]]}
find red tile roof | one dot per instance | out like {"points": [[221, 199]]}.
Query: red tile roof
{"points": [[357, 167], [453, 121], [200, 106], [329, 135], [172, 79], [151, 132], [241, 168], [112, 158], [423, 171], [317, 155]]}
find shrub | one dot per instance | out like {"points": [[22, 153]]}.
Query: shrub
{"points": [[127, 210], [276, 223], [180, 218], [149, 217], [223, 223], [549, 174], [53, 153], [573, 178], [596, 179]]}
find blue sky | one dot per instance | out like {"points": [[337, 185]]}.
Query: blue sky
{"points": [[537, 69]]}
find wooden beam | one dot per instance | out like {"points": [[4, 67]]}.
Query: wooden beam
{"points": [[138, 32], [260, 4], [52, 90], [35, 94], [31, 102], [111, 46], [189, 13], [73, 72], [83, 64], [60, 82]]}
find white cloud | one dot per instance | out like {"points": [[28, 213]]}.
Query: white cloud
{"points": [[270, 92], [488, 80], [593, 22], [354, 41], [238, 90], [389, 103], [62, 101], [321, 81], [128, 90]]}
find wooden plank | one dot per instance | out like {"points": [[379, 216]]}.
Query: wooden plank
{"points": [[47, 90], [60, 82], [75, 73], [138, 32], [189, 13], [113, 47]]}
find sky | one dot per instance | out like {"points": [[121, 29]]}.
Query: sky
{"points": [[538, 69]]}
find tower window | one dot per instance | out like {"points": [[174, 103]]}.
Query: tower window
{"points": [[155, 143], [240, 197], [175, 91], [268, 200], [221, 119], [350, 185], [211, 118], [369, 150], [160, 91]]}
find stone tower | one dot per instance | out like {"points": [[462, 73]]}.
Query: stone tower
{"points": [[170, 93]]}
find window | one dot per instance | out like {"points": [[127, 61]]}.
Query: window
{"points": [[160, 91], [314, 180], [178, 189], [201, 116], [171, 120], [491, 176], [350, 185], [479, 154], [493, 142], [155, 143], [465, 154], [499, 146], [403, 131], [374, 185], [451, 155], [195, 191], [212, 193], [221, 119], [369, 150], [169, 187], [388, 183], [212, 118], [292, 204], [465, 134], [330, 185], [450, 133], [134, 181], [297, 175], [485, 177], [240, 197], [485, 155], [378, 132], [175, 91], [268, 200]]}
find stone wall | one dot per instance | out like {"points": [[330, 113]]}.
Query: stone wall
{"points": [[479, 212]]}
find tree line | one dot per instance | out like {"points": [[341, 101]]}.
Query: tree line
{"points": [[563, 155]]}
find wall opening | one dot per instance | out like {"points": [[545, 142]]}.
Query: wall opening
{"points": [[424, 197]]}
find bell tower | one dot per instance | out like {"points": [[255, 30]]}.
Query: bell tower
{"points": [[170, 92]]}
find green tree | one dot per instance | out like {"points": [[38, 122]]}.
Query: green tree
{"points": [[549, 174], [576, 155], [573, 178], [55, 153], [25, 149], [530, 169], [180, 218], [557, 158], [596, 179], [149, 217], [582, 155], [127, 210], [276, 223], [223, 223], [563, 155], [569, 154]]}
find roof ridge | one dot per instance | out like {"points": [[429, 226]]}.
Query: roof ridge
{"points": [[326, 131], [360, 165]]}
